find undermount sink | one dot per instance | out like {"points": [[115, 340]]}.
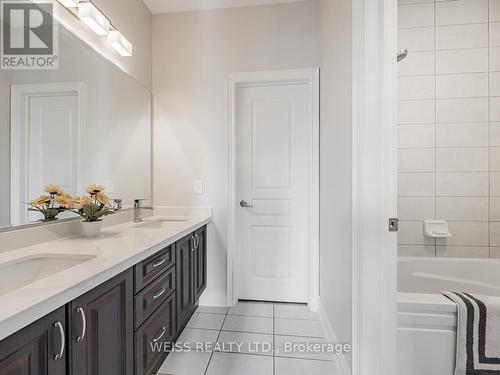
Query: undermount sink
{"points": [[158, 222], [24, 271]]}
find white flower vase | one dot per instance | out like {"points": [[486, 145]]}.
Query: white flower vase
{"points": [[91, 229]]}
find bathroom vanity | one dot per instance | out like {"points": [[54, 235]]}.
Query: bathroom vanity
{"points": [[135, 289]]}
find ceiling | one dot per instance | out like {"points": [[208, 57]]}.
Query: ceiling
{"points": [[166, 6]]}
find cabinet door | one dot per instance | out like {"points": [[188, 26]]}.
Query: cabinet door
{"points": [[200, 262], [38, 349], [185, 298], [102, 329]]}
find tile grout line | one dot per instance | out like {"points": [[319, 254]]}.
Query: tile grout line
{"points": [[216, 340]]}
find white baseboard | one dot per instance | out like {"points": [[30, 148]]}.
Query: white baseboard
{"points": [[213, 298], [340, 361]]}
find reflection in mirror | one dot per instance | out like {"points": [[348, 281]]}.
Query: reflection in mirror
{"points": [[86, 123]]}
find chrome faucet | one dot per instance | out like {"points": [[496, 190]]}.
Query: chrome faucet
{"points": [[138, 207]]}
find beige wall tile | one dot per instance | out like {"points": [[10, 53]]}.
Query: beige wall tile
{"points": [[416, 251], [462, 184], [416, 39], [419, 87], [416, 112], [412, 233], [462, 36], [415, 15], [421, 208], [462, 135], [461, 12], [417, 64], [462, 85], [416, 136], [462, 208], [462, 110], [462, 159], [416, 184], [462, 61], [416, 160], [466, 234]]}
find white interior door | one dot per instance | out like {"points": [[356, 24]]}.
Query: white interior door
{"points": [[273, 161], [52, 154], [47, 123]]}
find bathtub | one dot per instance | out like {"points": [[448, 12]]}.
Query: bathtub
{"points": [[427, 321]]}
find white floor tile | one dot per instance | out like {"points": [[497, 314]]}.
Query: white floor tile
{"points": [[198, 339], [247, 343], [294, 312], [212, 310], [303, 347], [296, 327], [292, 366], [248, 324], [185, 363], [240, 364], [252, 309], [206, 321]]}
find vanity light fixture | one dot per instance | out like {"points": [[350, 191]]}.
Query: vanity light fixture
{"points": [[69, 3], [120, 43], [93, 18]]}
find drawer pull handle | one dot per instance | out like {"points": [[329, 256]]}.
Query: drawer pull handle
{"points": [[164, 329], [84, 324], [160, 293], [59, 355], [159, 263]]}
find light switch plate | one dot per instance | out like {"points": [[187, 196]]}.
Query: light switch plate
{"points": [[197, 187]]}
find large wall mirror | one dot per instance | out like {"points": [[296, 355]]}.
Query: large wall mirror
{"points": [[87, 122]]}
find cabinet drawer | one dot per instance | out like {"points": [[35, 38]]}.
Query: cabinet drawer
{"points": [[152, 296], [153, 338], [151, 268]]}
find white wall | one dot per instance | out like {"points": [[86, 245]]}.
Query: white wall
{"points": [[192, 54], [5, 78], [335, 25], [449, 127]]}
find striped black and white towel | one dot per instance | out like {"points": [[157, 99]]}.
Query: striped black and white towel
{"points": [[478, 334]]}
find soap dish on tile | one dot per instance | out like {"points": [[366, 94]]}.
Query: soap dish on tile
{"points": [[436, 229]]}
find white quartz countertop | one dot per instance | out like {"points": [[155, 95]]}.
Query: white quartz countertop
{"points": [[118, 248]]}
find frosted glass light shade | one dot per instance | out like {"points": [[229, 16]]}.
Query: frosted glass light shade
{"points": [[120, 43], [93, 18]]}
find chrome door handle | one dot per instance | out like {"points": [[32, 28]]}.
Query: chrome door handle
{"points": [[245, 204], [161, 335], [159, 263], [84, 324], [59, 355], [160, 293], [197, 241], [193, 238]]}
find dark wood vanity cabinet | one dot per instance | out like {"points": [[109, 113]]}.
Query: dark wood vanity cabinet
{"points": [[124, 326], [101, 329], [39, 349]]}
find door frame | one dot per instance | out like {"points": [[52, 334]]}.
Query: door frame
{"points": [[310, 77], [20, 95], [374, 262]]}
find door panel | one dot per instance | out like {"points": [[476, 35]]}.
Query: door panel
{"points": [[200, 263], [273, 174], [107, 348], [53, 153], [32, 350], [185, 289]]}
